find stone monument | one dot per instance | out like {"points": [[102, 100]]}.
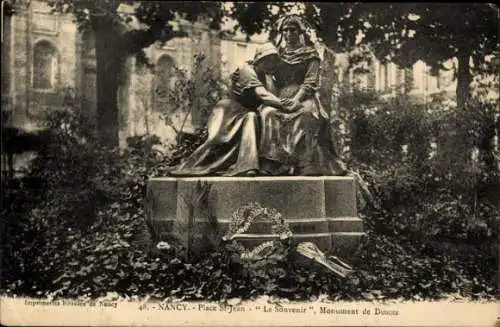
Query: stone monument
{"points": [[269, 143]]}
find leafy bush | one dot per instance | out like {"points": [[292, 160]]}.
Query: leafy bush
{"points": [[438, 202], [75, 168], [377, 129], [425, 191], [143, 146], [186, 145], [195, 95], [387, 269]]}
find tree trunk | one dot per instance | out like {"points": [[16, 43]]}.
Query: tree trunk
{"points": [[108, 62], [463, 77]]}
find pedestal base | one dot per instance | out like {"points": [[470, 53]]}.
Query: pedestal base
{"points": [[318, 209]]}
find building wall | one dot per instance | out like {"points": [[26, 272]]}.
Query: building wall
{"points": [[145, 103], [391, 79], [34, 32], [74, 67], [6, 59], [235, 53]]}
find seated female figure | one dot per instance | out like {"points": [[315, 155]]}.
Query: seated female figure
{"points": [[298, 142]]}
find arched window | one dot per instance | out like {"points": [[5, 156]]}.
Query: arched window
{"points": [[164, 78], [45, 66]]}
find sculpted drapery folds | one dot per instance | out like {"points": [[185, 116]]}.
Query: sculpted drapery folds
{"points": [[273, 123], [297, 142], [233, 128]]}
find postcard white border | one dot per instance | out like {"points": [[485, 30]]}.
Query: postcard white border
{"points": [[40, 312]]}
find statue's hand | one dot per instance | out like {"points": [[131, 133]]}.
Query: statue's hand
{"points": [[290, 105], [286, 102]]}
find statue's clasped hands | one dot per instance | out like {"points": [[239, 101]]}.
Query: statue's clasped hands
{"points": [[290, 105]]}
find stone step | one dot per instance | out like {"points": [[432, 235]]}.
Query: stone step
{"points": [[341, 243], [297, 226]]}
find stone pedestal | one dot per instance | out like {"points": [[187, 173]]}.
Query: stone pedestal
{"points": [[319, 209]]}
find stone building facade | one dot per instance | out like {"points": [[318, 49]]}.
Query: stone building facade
{"points": [[144, 97], [38, 61], [44, 55], [390, 79]]}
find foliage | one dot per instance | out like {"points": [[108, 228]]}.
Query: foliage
{"points": [[440, 31], [433, 33], [427, 182], [156, 16], [187, 145], [143, 146], [75, 225], [74, 168], [255, 17], [404, 33], [375, 130], [194, 95], [387, 269]]}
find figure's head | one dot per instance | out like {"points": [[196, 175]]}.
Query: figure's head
{"points": [[266, 58], [291, 34], [292, 29]]}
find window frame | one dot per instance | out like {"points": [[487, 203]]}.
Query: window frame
{"points": [[55, 66], [158, 98]]}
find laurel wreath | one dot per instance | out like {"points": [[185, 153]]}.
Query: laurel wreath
{"points": [[241, 221]]}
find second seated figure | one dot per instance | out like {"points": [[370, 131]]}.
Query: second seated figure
{"points": [[298, 142]]}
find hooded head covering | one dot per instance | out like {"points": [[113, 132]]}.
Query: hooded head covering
{"points": [[295, 56], [292, 19]]}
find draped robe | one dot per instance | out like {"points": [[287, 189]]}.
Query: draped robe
{"points": [[232, 143], [300, 141]]}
